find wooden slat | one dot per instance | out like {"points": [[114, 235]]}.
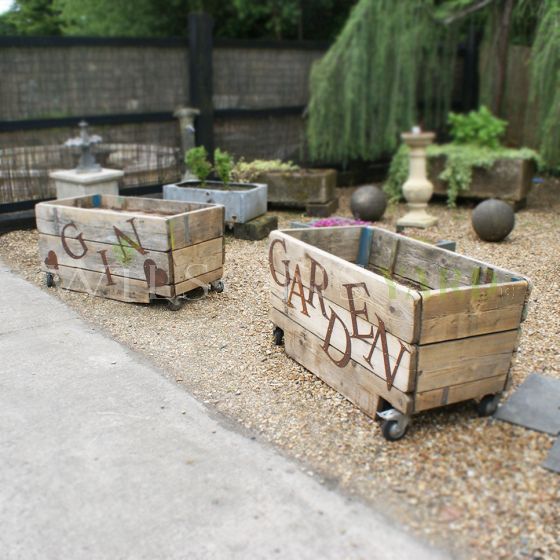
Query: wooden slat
{"points": [[95, 283], [353, 381], [315, 323], [98, 225], [342, 242], [161, 231], [197, 226], [199, 282], [465, 371], [397, 306], [430, 265], [471, 311], [124, 261], [194, 260], [457, 393]]}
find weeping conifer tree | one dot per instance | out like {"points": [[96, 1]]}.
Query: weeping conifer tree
{"points": [[365, 90], [545, 84]]}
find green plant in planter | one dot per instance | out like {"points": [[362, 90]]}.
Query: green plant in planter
{"points": [[248, 171], [480, 128], [197, 162], [223, 166], [475, 144]]}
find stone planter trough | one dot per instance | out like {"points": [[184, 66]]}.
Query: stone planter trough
{"points": [[242, 201], [508, 179]]}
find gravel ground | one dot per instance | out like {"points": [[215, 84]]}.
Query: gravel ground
{"points": [[469, 484]]}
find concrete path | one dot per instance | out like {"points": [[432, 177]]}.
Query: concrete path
{"points": [[102, 457]]}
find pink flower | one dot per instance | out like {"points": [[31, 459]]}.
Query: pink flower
{"points": [[336, 221]]}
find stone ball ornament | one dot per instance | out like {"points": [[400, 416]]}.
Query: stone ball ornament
{"points": [[368, 203], [493, 220]]}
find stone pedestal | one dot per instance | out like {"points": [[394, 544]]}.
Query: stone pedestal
{"points": [[418, 189], [186, 116], [72, 183]]}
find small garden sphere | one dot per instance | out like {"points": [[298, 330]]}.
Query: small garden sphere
{"points": [[368, 203], [493, 220]]}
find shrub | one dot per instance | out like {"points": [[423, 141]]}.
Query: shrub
{"points": [[197, 162], [223, 165], [480, 128], [246, 172]]}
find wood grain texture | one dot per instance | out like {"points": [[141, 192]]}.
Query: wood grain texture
{"points": [[198, 259], [472, 311], [125, 261], [457, 393], [339, 241], [353, 381], [397, 306]]}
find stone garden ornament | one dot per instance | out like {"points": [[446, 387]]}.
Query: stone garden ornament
{"points": [[417, 189]]}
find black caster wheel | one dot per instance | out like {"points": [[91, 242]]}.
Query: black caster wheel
{"points": [[488, 405], [217, 286], [278, 336], [174, 304], [49, 280], [392, 430]]}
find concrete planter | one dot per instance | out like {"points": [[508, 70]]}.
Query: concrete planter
{"points": [[242, 201], [508, 179], [297, 189]]}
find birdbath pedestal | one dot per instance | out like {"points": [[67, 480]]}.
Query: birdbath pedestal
{"points": [[418, 189], [88, 177]]}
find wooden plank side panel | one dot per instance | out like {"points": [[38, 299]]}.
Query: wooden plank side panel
{"points": [[151, 232], [471, 311], [458, 393], [400, 356], [197, 226], [201, 281], [198, 259], [397, 306], [95, 283], [430, 265], [90, 255], [353, 381], [464, 371], [342, 242]]}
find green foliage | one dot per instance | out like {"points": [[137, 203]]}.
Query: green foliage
{"points": [[249, 171], [288, 19], [32, 17], [197, 162], [223, 165], [460, 159], [364, 91], [480, 128], [545, 85]]}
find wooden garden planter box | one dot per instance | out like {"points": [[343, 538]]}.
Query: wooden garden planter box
{"points": [[508, 179], [312, 189], [383, 318], [130, 249]]}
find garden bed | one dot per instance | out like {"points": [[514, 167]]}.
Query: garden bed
{"points": [[432, 326], [130, 249]]}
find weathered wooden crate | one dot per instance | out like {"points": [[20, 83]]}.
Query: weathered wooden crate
{"points": [[131, 249], [383, 318]]}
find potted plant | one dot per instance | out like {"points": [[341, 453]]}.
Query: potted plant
{"points": [[474, 165], [242, 201], [292, 186]]}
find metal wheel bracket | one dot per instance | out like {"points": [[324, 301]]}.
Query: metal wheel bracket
{"points": [[392, 414]]}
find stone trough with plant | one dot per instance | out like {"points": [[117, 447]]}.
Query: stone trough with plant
{"points": [[474, 165]]}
